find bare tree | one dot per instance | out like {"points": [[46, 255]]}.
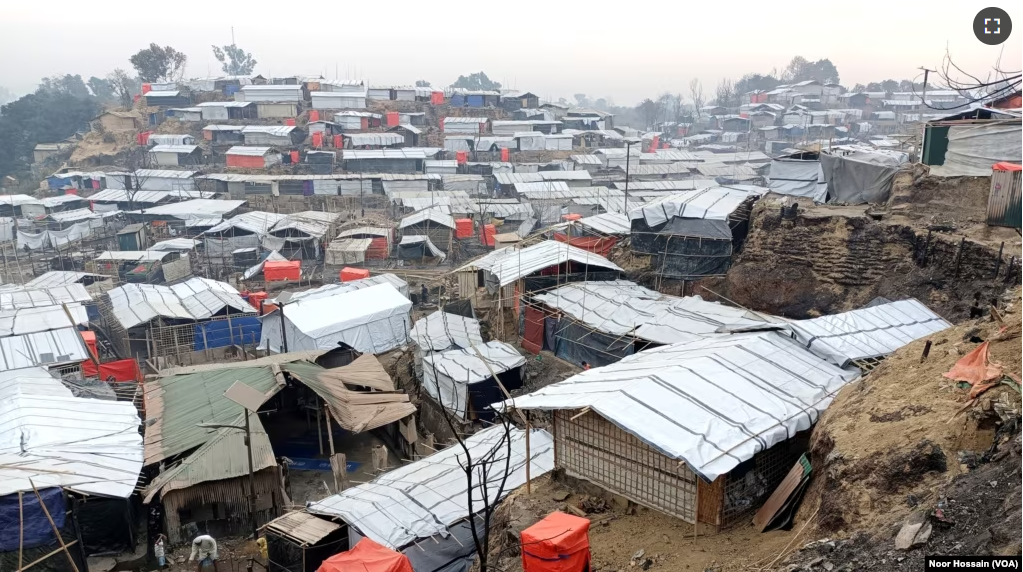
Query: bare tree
{"points": [[137, 161], [725, 93], [696, 96], [124, 86], [997, 84], [486, 470]]}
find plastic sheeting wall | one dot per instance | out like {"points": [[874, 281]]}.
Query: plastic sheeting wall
{"points": [[37, 529], [220, 333], [857, 182], [972, 149]]}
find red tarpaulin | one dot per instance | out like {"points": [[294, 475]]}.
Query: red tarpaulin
{"points": [[114, 371], [367, 556], [348, 274], [274, 270], [378, 249], [489, 231], [1003, 166], [532, 337], [463, 227], [558, 543], [594, 244]]}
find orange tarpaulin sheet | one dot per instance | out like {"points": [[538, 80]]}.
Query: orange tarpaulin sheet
{"points": [[976, 369], [1003, 166], [114, 371], [274, 270], [348, 274], [558, 543], [594, 244], [367, 556]]}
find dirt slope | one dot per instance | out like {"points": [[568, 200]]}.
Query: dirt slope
{"points": [[904, 439]]}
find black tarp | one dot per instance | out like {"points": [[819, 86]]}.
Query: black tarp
{"points": [[37, 529], [413, 251], [460, 308], [105, 525], [483, 393], [285, 555], [575, 343]]}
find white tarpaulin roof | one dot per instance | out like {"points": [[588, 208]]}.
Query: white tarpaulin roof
{"points": [[61, 278], [344, 287], [867, 332], [715, 203], [195, 208], [370, 320], [13, 296], [510, 264], [622, 307], [193, 299], [798, 178], [48, 435], [41, 336], [423, 498], [447, 375], [441, 331], [607, 223], [712, 403], [432, 215], [256, 222]]}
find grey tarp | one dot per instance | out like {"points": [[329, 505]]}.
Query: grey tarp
{"points": [[798, 178], [972, 149], [857, 181], [453, 553]]}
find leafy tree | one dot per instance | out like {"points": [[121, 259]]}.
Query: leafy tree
{"points": [[889, 85], [124, 86], [45, 116], [476, 82], [159, 64], [754, 81], [801, 69], [102, 88], [858, 88], [234, 60], [581, 100], [67, 84], [422, 83]]}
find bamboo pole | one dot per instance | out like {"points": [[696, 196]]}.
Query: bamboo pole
{"points": [[56, 532], [21, 528]]}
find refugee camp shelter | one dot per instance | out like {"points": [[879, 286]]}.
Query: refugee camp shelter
{"points": [[42, 336], [462, 380], [967, 143], [252, 157], [373, 320], [175, 155], [601, 322], [539, 266], [864, 336], [693, 233], [858, 174], [299, 235], [225, 110], [435, 224], [82, 454], [428, 521], [703, 430], [241, 231], [300, 542]]}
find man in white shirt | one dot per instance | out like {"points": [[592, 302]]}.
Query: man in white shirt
{"points": [[206, 548]]}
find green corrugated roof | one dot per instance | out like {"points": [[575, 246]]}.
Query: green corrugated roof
{"points": [[176, 405], [224, 456]]}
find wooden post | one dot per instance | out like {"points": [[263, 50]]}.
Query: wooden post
{"points": [[330, 443], [998, 263], [53, 525], [319, 431], [927, 351], [696, 512]]}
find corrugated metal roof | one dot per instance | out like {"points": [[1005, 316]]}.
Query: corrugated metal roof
{"points": [[224, 456], [196, 208], [725, 170], [121, 196], [223, 128], [41, 336], [540, 187], [257, 222], [73, 215], [442, 331], [607, 223], [411, 128], [50, 438], [516, 178], [60, 200], [352, 113], [271, 87], [302, 528], [249, 151], [177, 404]]}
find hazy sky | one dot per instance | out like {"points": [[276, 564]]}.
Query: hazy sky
{"points": [[624, 50]]}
